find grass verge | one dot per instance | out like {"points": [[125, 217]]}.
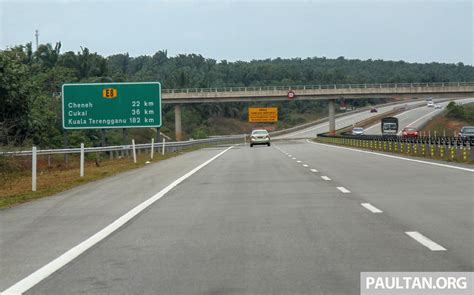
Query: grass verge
{"points": [[54, 177]]}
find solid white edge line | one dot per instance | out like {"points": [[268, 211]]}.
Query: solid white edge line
{"points": [[343, 189], [45, 271], [325, 177], [371, 208], [314, 170], [393, 157], [425, 241]]}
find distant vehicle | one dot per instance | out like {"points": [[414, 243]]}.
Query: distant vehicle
{"points": [[467, 132], [373, 110], [389, 126], [437, 106], [358, 131], [410, 132], [430, 104], [259, 136]]}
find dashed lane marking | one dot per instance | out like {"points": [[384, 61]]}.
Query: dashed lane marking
{"points": [[425, 241], [371, 208], [343, 189]]}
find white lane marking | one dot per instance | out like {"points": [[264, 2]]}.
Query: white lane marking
{"points": [[304, 165], [53, 266], [293, 158], [425, 241], [371, 208], [343, 189], [298, 161], [393, 157], [314, 170], [325, 177], [290, 156]]}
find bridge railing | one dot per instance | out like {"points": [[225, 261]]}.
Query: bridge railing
{"points": [[316, 87]]}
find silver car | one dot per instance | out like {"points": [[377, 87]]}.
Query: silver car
{"points": [[259, 136], [358, 131]]}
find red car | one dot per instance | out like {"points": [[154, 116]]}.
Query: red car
{"points": [[410, 132], [373, 110]]}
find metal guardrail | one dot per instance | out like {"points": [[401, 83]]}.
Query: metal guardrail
{"points": [[312, 87], [444, 148], [168, 145]]}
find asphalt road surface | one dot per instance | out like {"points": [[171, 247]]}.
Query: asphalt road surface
{"points": [[294, 218]]}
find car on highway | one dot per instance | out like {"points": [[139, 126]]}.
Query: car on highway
{"points": [[259, 136], [410, 132], [373, 110], [430, 104], [467, 132], [358, 131], [437, 106]]}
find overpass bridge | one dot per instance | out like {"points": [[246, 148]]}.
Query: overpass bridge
{"points": [[312, 92]]}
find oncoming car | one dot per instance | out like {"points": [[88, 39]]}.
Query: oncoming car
{"points": [[358, 131], [259, 136]]}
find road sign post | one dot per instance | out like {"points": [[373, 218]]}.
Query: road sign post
{"points": [[111, 105]]}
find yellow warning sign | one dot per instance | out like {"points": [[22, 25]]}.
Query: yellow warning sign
{"points": [[263, 115]]}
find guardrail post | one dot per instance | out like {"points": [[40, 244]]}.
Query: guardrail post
{"points": [[134, 151], [152, 147], [245, 139], [163, 147], [81, 169], [33, 169]]}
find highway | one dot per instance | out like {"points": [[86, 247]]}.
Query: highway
{"points": [[416, 117], [344, 121], [295, 218]]}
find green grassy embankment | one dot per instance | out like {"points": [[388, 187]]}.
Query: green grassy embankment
{"points": [[449, 125], [15, 174]]}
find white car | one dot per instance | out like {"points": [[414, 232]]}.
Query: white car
{"points": [[437, 106], [430, 104], [259, 136], [358, 131]]}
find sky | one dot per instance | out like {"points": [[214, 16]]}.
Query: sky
{"points": [[414, 31]]}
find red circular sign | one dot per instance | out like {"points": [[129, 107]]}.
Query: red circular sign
{"points": [[291, 94]]}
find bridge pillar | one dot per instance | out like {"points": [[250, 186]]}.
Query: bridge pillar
{"points": [[332, 116], [177, 122]]}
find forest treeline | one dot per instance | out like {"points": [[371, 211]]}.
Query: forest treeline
{"points": [[30, 83]]}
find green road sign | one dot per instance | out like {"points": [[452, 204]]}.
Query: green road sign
{"points": [[111, 105]]}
